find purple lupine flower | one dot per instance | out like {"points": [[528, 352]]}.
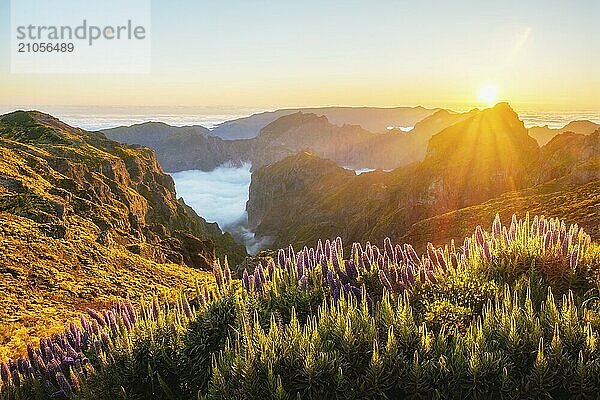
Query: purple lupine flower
{"points": [[324, 268], [96, 316], [547, 240], [130, 311], [128, 324], [565, 245], [300, 267], [246, 280], [64, 385], [376, 252], [312, 257], [339, 247], [388, 249], [497, 226], [479, 235], [95, 327], [365, 263], [410, 276], [398, 254], [453, 260], [330, 280], [85, 324], [291, 253], [573, 259], [112, 322], [305, 257], [487, 251], [422, 274], [218, 274], [335, 292], [431, 276], [281, 258], [258, 283], [4, 372], [319, 251], [105, 340], [514, 224], [15, 377], [385, 281], [186, 309], [85, 340], [335, 260], [351, 270], [369, 251], [440, 260], [431, 253], [411, 253], [466, 247]]}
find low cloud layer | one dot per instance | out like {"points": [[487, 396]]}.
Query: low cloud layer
{"points": [[220, 196]]}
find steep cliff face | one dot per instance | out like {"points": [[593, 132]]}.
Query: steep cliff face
{"points": [[480, 158], [288, 182], [51, 172], [86, 222], [178, 148]]}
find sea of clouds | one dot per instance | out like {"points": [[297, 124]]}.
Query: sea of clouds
{"points": [[220, 196]]}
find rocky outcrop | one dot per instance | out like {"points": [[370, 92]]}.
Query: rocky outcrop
{"points": [[479, 158], [60, 176]]}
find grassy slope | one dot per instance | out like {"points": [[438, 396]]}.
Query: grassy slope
{"points": [[578, 204]]}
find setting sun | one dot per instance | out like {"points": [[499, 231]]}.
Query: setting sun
{"points": [[488, 94]]}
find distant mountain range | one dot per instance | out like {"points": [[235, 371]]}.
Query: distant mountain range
{"points": [[185, 148], [543, 134], [374, 119], [482, 157], [352, 137]]}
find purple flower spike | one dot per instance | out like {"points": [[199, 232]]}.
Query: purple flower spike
{"points": [[479, 235], [258, 283], [96, 316], [388, 249], [573, 259], [497, 226], [385, 281], [218, 276], [246, 280], [4, 372], [64, 385], [351, 270], [486, 251], [281, 258], [339, 247], [365, 263]]}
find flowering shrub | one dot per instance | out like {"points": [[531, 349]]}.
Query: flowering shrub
{"points": [[464, 321]]}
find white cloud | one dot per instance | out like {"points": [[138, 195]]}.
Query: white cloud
{"points": [[220, 196]]}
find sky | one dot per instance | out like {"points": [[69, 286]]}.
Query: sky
{"points": [[273, 54]]}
